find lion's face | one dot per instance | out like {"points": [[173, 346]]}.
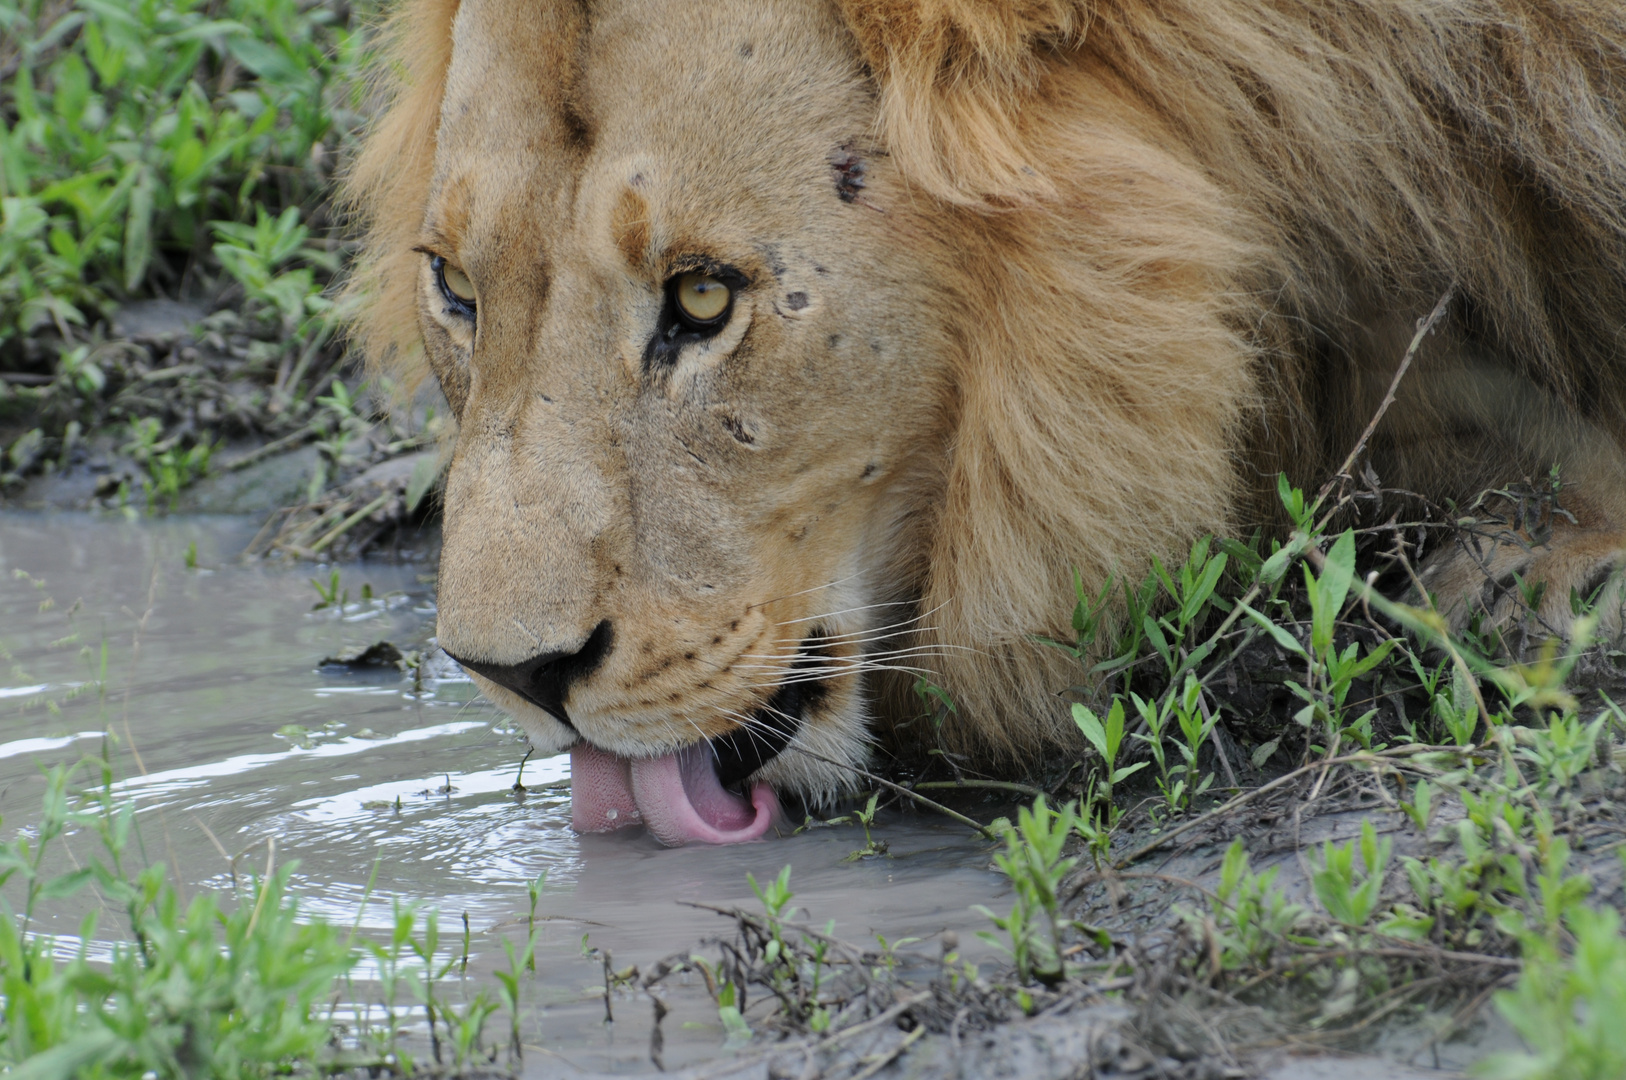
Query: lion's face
{"points": [[683, 318]]}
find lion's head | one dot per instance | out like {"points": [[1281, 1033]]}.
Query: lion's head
{"points": [[701, 401], [767, 395], [793, 343]]}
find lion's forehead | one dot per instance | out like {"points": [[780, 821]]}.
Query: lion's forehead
{"points": [[736, 104]]}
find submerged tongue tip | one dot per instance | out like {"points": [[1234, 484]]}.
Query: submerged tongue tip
{"points": [[678, 796], [682, 801], [600, 791]]}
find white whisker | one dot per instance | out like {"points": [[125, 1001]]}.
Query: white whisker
{"points": [[814, 589], [845, 611], [855, 633]]}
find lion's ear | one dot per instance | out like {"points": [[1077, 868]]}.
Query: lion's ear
{"points": [[954, 75], [387, 187]]}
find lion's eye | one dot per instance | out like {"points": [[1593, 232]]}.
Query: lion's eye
{"points": [[699, 304], [454, 285], [701, 297]]}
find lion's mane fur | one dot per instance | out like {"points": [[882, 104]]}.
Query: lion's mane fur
{"points": [[1195, 234]]}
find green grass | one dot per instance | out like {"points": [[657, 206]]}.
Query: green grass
{"points": [[237, 986], [1506, 743], [172, 148], [142, 138], [192, 990], [169, 149]]}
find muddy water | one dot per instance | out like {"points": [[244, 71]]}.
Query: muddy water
{"points": [[230, 733]]}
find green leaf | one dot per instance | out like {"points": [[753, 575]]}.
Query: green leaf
{"points": [[70, 1059], [1154, 634], [1091, 726], [1329, 591], [272, 65], [1203, 589], [424, 474], [138, 229], [65, 885], [1279, 635], [1129, 770]]}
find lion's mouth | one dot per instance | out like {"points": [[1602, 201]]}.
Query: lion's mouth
{"points": [[695, 794]]}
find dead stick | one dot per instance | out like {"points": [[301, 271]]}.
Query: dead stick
{"points": [[901, 790], [1423, 328], [971, 785], [350, 522], [260, 453]]}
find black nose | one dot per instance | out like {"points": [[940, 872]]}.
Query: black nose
{"points": [[545, 679]]}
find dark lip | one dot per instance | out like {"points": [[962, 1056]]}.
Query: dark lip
{"points": [[777, 721], [751, 746]]}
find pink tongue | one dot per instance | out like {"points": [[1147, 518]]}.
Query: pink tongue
{"points": [[677, 796]]}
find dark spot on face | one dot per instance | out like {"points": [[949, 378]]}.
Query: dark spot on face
{"points": [[835, 340], [796, 301], [688, 656], [819, 269], [776, 264], [736, 427], [847, 169], [649, 647], [576, 126], [636, 179], [745, 51], [545, 398], [869, 471], [735, 625], [718, 640]]}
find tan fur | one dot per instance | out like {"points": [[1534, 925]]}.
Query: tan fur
{"points": [[1113, 265]]}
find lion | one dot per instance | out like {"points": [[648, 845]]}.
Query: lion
{"points": [[796, 346]]}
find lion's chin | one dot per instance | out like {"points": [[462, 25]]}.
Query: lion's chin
{"points": [[678, 797]]}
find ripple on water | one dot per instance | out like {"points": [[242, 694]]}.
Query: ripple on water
{"points": [[382, 792]]}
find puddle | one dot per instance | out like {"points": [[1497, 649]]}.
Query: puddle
{"points": [[233, 735]]}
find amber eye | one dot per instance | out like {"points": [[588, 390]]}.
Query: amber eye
{"points": [[454, 285], [458, 284], [701, 297]]}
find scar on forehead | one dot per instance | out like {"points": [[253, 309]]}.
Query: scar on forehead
{"points": [[629, 227]]}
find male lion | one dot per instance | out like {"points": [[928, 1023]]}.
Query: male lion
{"points": [[795, 341]]}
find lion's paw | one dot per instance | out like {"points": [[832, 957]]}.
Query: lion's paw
{"points": [[1507, 580]]}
